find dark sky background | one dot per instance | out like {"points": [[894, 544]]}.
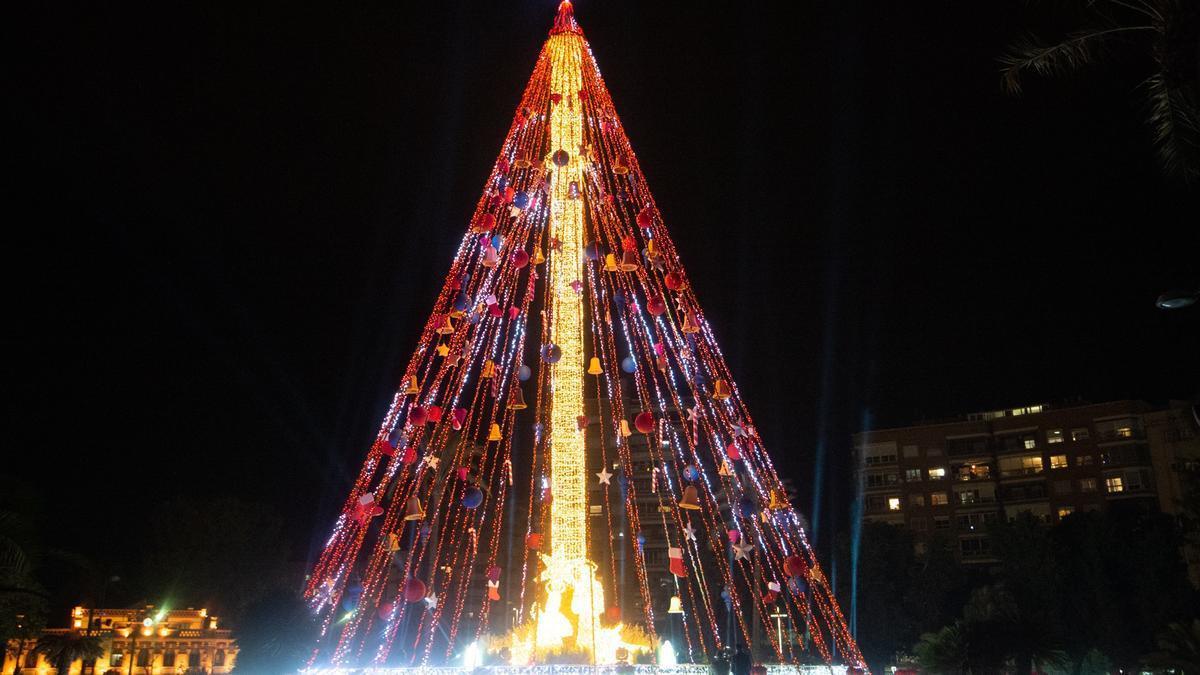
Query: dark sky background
{"points": [[230, 223]]}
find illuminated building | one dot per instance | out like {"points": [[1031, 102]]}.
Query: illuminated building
{"points": [[1174, 437], [147, 641], [957, 476]]}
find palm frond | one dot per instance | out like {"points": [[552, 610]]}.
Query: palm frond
{"points": [[1078, 49], [1175, 121]]}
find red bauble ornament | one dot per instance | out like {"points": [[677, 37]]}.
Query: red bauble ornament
{"points": [[434, 413], [520, 258], [417, 416], [414, 590], [485, 222], [644, 422], [409, 456], [673, 281], [645, 217], [385, 610], [533, 541], [734, 452], [656, 305], [794, 566], [613, 614]]}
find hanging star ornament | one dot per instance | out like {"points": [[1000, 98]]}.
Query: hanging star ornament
{"points": [[432, 461], [604, 475], [741, 551], [689, 532]]}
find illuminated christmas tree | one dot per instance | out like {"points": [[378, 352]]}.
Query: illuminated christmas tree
{"points": [[568, 394]]}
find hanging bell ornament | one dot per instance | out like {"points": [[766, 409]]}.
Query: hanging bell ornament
{"points": [[517, 402], [778, 501], [413, 510], [489, 369], [523, 160], [447, 326], [690, 325], [494, 433], [610, 263], [676, 605], [620, 168], [726, 469], [690, 499], [721, 391], [412, 389], [594, 366], [629, 261], [625, 432], [491, 257], [538, 257]]}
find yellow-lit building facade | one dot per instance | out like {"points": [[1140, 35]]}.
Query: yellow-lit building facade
{"points": [[146, 641]]}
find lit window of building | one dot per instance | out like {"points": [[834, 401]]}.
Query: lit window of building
{"points": [[917, 500], [893, 503], [968, 496], [938, 473], [1021, 465], [1054, 436], [938, 498], [1087, 484], [1030, 443], [1058, 461], [1114, 484], [1064, 511], [912, 475]]}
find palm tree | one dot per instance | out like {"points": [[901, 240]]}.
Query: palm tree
{"points": [[1178, 648], [1165, 30], [63, 649]]}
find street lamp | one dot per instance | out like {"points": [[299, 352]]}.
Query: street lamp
{"points": [[1177, 299]]}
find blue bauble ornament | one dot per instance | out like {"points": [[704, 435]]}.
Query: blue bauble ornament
{"points": [[350, 603], [641, 539], [747, 507], [521, 200], [501, 181], [592, 251], [619, 300], [629, 365], [524, 373], [551, 353], [462, 302], [690, 472], [797, 585], [474, 317], [472, 498], [497, 241]]}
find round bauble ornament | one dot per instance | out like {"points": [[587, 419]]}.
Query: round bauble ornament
{"points": [[472, 498], [414, 590], [644, 422], [524, 373], [629, 365]]}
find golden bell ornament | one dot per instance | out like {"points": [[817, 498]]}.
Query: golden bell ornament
{"points": [[523, 160], [690, 325], [690, 499], [725, 470], [629, 261], [413, 510], [721, 390], [620, 168], [610, 263], [517, 402], [538, 257], [489, 369], [594, 366], [412, 389], [778, 501], [676, 605], [625, 432], [447, 326], [494, 433], [491, 257]]}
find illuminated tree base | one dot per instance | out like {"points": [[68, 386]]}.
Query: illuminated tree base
{"points": [[682, 669]]}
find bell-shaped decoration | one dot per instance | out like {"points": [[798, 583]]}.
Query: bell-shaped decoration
{"points": [[778, 501], [690, 499], [629, 261], [411, 389], [676, 605], [620, 168], [625, 432], [447, 326], [523, 160], [538, 257], [517, 402], [690, 325], [594, 366], [413, 510], [610, 263], [489, 369], [491, 257], [721, 390], [494, 434]]}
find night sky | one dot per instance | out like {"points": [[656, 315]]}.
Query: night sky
{"points": [[230, 225]]}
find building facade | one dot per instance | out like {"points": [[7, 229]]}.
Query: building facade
{"points": [[1174, 438], [957, 477], [147, 641]]}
